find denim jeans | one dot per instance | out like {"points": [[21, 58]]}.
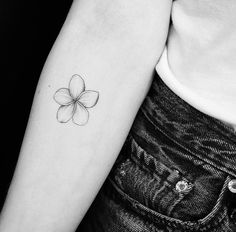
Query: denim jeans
{"points": [[172, 174]]}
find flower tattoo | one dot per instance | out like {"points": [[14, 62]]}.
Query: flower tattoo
{"points": [[75, 101]]}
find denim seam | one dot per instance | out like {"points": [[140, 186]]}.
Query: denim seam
{"points": [[199, 225], [218, 203], [133, 215], [156, 177]]}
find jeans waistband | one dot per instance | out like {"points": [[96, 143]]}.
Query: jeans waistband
{"points": [[203, 136]]}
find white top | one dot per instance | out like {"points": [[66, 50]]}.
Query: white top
{"points": [[199, 61]]}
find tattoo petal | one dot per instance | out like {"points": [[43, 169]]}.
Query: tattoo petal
{"points": [[89, 98], [81, 115], [62, 97], [65, 113], [76, 86]]}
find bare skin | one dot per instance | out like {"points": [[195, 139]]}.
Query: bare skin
{"points": [[113, 46]]}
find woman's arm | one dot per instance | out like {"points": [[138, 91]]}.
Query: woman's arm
{"points": [[114, 46]]}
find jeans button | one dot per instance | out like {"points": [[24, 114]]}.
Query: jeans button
{"points": [[182, 186], [232, 186]]}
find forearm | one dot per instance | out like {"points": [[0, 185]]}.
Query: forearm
{"points": [[62, 165]]}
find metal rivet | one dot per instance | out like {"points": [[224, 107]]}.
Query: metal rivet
{"points": [[232, 186], [122, 172], [182, 186]]}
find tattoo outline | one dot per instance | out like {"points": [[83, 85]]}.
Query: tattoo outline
{"points": [[74, 101]]}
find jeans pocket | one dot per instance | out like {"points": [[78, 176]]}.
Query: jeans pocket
{"points": [[216, 220], [166, 196]]}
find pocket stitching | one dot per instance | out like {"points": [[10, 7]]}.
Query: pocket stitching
{"points": [[199, 225]]}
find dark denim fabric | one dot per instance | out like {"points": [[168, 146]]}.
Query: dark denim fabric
{"points": [[170, 143]]}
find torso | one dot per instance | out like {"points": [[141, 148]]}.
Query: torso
{"points": [[199, 62]]}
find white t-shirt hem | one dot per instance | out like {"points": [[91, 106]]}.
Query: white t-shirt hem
{"points": [[195, 100]]}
